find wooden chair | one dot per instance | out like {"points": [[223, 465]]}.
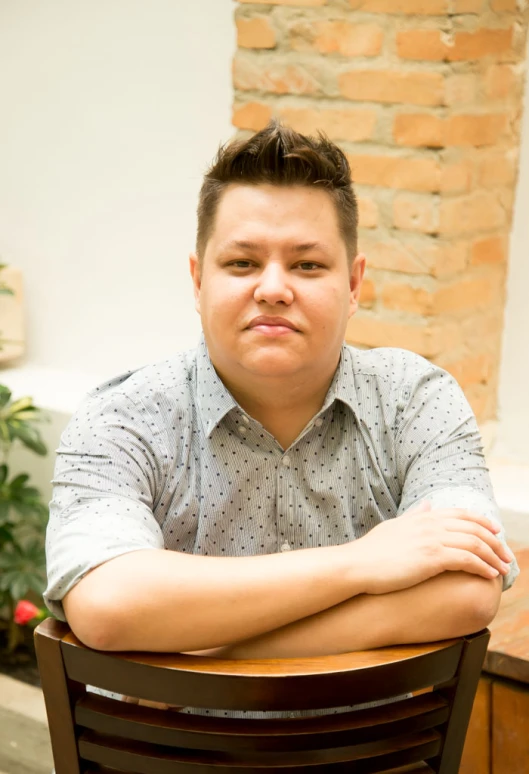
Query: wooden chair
{"points": [[92, 734]]}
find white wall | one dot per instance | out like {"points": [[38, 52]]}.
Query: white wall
{"points": [[111, 109], [513, 428]]}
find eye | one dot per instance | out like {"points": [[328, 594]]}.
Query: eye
{"points": [[241, 264], [309, 266]]}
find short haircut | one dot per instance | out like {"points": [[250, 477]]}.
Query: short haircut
{"points": [[278, 155]]}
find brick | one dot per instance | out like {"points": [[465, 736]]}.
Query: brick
{"points": [[256, 32], [418, 130], [502, 80], [415, 213], [405, 298], [367, 212], [367, 293], [424, 88], [337, 37], [505, 5], [305, 3], [498, 169], [426, 340], [251, 115], [489, 251], [476, 369], [456, 177], [466, 6], [482, 399], [354, 125], [476, 130], [413, 174], [461, 89], [460, 130], [413, 254], [480, 211], [432, 45], [461, 296], [424, 7], [467, 294], [251, 74]]}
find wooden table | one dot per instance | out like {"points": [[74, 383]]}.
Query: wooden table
{"points": [[498, 734]]}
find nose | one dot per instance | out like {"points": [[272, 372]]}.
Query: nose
{"points": [[273, 285]]}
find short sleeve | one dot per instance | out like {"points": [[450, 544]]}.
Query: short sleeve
{"points": [[439, 451], [104, 489]]}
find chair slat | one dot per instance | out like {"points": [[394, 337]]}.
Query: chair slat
{"points": [[211, 687], [129, 721], [149, 759]]}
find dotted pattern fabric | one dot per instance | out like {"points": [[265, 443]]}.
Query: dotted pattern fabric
{"points": [[164, 457]]}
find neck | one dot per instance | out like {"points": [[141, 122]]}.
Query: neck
{"points": [[283, 407]]}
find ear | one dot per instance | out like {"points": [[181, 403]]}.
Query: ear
{"points": [[194, 268], [358, 268]]}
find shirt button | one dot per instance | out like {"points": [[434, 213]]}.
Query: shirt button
{"points": [[245, 419], [286, 546], [286, 461], [242, 429], [318, 422]]}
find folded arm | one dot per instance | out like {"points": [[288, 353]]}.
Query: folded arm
{"points": [[449, 605]]}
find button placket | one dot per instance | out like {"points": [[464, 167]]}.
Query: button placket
{"points": [[284, 531]]}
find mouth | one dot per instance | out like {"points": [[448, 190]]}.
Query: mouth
{"points": [[272, 326]]}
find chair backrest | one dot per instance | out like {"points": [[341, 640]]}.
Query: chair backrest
{"points": [[93, 734]]}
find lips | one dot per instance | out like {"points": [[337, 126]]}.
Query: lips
{"points": [[279, 322]]}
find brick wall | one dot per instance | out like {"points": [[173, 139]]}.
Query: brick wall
{"points": [[425, 97]]}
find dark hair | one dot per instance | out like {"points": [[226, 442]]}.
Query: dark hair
{"points": [[283, 157]]}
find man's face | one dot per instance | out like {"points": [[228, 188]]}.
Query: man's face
{"points": [[275, 289]]}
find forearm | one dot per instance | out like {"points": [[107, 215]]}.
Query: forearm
{"points": [[168, 601], [448, 605]]}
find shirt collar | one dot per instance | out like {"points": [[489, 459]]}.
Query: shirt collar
{"points": [[215, 401], [342, 387]]}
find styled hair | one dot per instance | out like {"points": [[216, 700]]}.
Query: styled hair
{"points": [[280, 156]]}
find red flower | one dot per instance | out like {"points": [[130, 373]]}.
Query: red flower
{"points": [[25, 611]]}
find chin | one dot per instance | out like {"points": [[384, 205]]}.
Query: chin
{"points": [[271, 364]]}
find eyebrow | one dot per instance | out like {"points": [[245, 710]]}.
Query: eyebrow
{"points": [[258, 247]]}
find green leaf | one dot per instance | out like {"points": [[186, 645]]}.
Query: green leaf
{"points": [[30, 437], [6, 292], [3, 473], [18, 481], [5, 395]]}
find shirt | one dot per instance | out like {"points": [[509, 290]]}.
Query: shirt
{"points": [[164, 457]]}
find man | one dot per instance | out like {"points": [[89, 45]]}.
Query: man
{"points": [[240, 499]]}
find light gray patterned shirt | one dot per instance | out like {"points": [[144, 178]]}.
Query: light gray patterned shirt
{"points": [[164, 457]]}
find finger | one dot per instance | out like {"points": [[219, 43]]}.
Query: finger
{"points": [[473, 545], [457, 559], [463, 525], [462, 513]]}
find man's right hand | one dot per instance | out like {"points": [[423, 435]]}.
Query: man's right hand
{"points": [[425, 542]]}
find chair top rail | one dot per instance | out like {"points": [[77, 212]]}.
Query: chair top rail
{"points": [[268, 667]]}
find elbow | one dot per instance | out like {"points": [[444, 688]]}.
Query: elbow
{"points": [[481, 603], [91, 623]]}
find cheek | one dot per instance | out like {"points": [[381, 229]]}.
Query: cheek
{"points": [[224, 296]]}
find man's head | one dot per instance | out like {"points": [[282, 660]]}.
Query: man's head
{"points": [[278, 155], [276, 240]]}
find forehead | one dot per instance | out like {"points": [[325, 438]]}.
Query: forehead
{"points": [[275, 211]]}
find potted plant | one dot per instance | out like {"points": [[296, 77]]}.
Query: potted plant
{"points": [[23, 517], [23, 520]]}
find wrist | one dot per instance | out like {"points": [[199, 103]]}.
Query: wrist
{"points": [[354, 567]]}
